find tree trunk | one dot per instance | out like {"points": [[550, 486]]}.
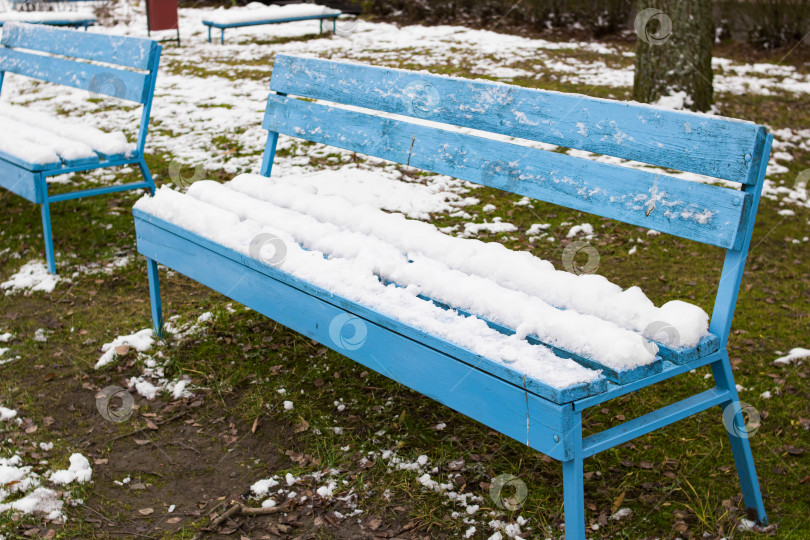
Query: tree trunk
{"points": [[674, 51]]}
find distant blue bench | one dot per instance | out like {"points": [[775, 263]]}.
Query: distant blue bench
{"points": [[210, 23], [516, 405], [133, 80], [52, 18]]}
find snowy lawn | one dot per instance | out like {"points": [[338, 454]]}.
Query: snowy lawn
{"points": [[233, 404]]}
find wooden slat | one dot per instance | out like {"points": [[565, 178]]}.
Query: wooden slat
{"points": [[33, 167], [205, 247], [692, 210], [706, 346], [119, 83], [717, 147], [503, 406], [120, 50], [20, 181]]}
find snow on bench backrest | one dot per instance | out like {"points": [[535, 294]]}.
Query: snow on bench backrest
{"points": [[128, 52], [718, 147]]}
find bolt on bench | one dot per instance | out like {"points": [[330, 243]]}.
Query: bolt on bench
{"points": [[35, 146], [498, 335]]}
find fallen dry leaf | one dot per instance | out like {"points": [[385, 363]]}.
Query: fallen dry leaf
{"points": [[618, 502], [302, 425], [146, 511]]}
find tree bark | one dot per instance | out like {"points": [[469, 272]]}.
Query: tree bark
{"points": [[674, 51]]}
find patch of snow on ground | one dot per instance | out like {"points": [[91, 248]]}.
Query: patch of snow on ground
{"points": [[79, 471], [33, 276], [585, 228], [494, 227], [7, 414], [20, 479]]}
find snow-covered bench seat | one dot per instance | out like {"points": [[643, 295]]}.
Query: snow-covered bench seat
{"points": [[76, 19], [35, 145], [254, 14], [501, 336]]}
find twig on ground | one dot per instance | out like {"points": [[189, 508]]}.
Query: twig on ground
{"points": [[237, 508]]}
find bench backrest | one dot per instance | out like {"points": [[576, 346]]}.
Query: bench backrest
{"points": [[66, 57], [116, 66], [716, 147]]}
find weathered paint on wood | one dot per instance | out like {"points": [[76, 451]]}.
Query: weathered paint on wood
{"points": [[30, 179], [611, 374], [119, 50], [692, 210], [706, 346], [19, 181], [713, 146]]}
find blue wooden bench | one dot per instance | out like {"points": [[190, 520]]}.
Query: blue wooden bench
{"points": [[234, 22], [27, 50], [547, 419], [73, 19]]}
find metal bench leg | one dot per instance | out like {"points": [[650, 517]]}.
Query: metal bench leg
{"points": [[209, 34], [47, 234], [154, 296], [222, 37], [573, 485], [147, 175], [320, 24], [738, 438]]}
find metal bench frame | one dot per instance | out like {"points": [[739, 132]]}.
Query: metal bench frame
{"points": [[513, 405], [30, 180]]}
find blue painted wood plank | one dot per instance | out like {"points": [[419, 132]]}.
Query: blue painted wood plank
{"points": [[102, 164], [692, 210], [479, 362], [503, 406], [714, 146], [120, 50], [706, 346], [650, 422], [33, 167], [19, 180], [734, 264], [83, 162], [104, 80]]}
